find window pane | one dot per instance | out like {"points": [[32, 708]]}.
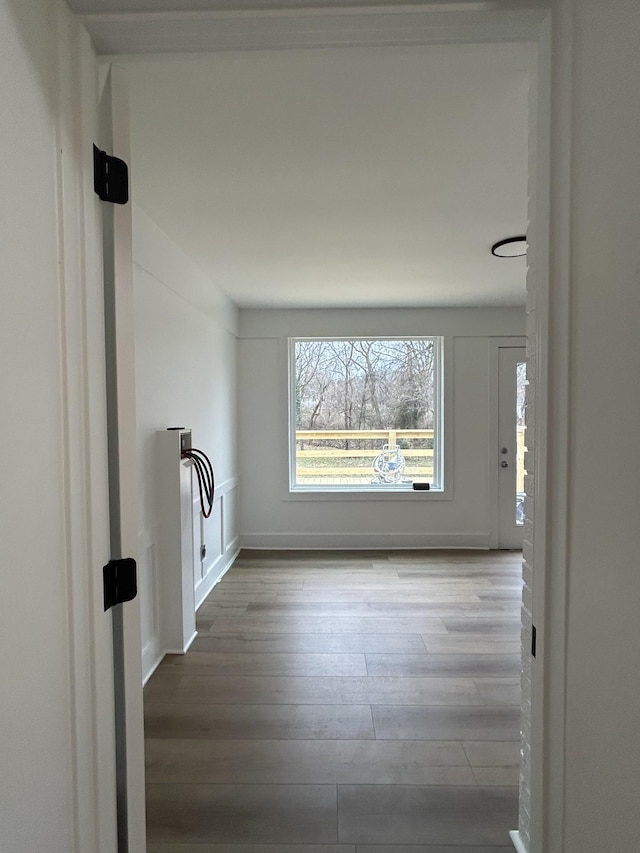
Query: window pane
{"points": [[365, 412], [521, 384]]}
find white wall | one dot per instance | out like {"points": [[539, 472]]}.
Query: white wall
{"points": [[592, 736], [185, 333], [271, 517], [57, 786]]}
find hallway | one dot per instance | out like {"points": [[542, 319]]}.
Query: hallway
{"points": [[342, 702]]}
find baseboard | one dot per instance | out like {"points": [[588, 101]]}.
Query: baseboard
{"points": [[217, 572], [149, 667], [366, 541], [517, 842], [151, 657], [184, 650]]}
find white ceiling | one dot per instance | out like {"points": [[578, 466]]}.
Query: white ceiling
{"points": [[369, 176], [192, 26], [135, 6], [300, 160]]}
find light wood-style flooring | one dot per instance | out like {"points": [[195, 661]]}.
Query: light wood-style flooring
{"points": [[342, 702]]}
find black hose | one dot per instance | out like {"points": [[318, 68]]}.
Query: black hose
{"points": [[206, 480]]}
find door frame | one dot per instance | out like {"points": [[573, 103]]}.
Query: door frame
{"points": [[123, 479], [547, 116], [495, 345], [83, 459]]}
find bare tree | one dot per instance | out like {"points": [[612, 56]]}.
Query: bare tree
{"points": [[365, 384]]}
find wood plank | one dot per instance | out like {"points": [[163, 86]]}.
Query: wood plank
{"points": [[389, 679], [303, 762], [310, 643], [205, 721], [263, 624], [452, 723], [246, 663], [396, 814], [242, 813], [177, 686]]}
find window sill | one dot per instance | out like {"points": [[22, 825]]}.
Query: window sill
{"points": [[313, 493]]}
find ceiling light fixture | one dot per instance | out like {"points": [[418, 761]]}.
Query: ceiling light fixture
{"points": [[512, 247]]}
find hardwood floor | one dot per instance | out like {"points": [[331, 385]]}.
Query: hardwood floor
{"points": [[342, 702]]}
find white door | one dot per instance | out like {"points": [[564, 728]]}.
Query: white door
{"points": [[511, 446], [121, 417]]}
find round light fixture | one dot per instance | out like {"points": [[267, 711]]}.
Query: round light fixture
{"points": [[512, 247]]}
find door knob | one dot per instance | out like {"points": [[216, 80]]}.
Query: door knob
{"points": [[504, 464]]}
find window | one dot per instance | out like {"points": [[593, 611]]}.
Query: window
{"points": [[365, 414]]}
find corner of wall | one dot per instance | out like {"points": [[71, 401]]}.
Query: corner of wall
{"points": [[186, 331]]}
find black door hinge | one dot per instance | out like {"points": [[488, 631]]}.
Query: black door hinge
{"points": [[110, 177], [120, 582]]}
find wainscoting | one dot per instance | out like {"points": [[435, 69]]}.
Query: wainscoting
{"points": [[149, 593], [219, 535], [343, 702]]}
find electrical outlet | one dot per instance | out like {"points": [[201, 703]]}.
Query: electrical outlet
{"points": [[203, 552], [185, 440]]}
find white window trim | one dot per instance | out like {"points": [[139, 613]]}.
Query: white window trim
{"points": [[443, 456]]}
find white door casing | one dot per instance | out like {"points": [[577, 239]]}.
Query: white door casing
{"points": [[92, 827], [121, 422]]}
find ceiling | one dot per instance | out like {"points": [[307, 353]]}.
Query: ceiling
{"points": [[128, 6], [363, 177], [170, 26]]}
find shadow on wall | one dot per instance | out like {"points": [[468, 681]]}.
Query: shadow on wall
{"points": [[37, 23]]}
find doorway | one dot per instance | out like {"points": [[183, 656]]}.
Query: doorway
{"points": [[508, 492], [511, 446]]}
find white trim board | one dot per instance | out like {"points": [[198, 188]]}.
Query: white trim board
{"points": [[186, 648], [204, 31], [148, 670], [79, 330], [160, 657], [367, 541]]}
